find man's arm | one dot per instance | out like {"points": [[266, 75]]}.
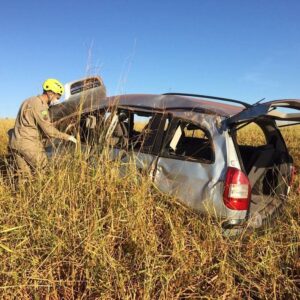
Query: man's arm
{"points": [[43, 121]]}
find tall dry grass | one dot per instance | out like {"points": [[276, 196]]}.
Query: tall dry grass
{"points": [[5, 125], [82, 232]]}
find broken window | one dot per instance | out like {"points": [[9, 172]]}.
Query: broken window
{"points": [[251, 135], [138, 131], [190, 142], [85, 84], [147, 131], [91, 127], [117, 128]]}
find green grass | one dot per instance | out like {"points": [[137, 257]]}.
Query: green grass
{"points": [[77, 232]]}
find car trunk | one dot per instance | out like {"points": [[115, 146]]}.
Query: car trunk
{"points": [[268, 167], [268, 170]]}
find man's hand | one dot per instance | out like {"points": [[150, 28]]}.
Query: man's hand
{"points": [[72, 139]]}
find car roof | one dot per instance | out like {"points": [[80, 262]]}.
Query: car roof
{"points": [[90, 102], [175, 102]]}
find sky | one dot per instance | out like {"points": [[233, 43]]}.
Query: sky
{"points": [[246, 50]]}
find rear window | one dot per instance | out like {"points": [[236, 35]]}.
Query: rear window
{"points": [[251, 135], [83, 85]]}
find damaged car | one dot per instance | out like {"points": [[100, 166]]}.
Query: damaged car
{"points": [[189, 146]]}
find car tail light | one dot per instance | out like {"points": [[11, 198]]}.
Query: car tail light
{"points": [[237, 190], [292, 175]]}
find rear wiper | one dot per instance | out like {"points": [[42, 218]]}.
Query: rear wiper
{"points": [[259, 101]]}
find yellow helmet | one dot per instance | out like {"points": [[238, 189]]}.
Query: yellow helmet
{"points": [[54, 86]]}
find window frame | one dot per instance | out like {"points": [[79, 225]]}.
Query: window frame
{"points": [[153, 149], [170, 134]]}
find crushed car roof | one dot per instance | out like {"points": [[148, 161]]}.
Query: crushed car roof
{"points": [[187, 106], [91, 101], [175, 102]]}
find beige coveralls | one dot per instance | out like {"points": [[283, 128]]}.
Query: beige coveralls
{"points": [[31, 125]]}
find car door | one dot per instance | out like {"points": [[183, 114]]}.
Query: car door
{"points": [[186, 166], [140, 135]]}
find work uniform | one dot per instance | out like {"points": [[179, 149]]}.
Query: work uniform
{"points": [[32, 124]]}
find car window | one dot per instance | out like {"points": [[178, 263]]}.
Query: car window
{"points": [[91, 127], [251, 135], [117, 129], [146, 131], [140, 123], [190, 142], [138, 131], [85, 84]]}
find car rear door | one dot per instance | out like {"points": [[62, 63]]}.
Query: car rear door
{"points": [[187, 164], [287, 112]]}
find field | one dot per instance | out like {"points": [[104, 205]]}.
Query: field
{"points": [[4, 126], [77, 232]]}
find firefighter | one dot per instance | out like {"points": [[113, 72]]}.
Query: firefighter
{"points": [[32, 124]]}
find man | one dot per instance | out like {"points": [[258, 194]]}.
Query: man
{"points": [[32, 124]]}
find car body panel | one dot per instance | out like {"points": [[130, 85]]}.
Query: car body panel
{"points": [[143, 162], [192, 181]]}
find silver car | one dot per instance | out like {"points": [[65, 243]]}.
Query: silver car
{"points": [[188, 145]]}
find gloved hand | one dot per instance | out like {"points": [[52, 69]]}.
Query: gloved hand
{"points": [[72, 139]]}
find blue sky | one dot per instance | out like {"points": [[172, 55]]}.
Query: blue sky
{"points": [[239, 49]]}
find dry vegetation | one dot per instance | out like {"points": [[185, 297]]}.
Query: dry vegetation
{"points": [[5, 125], [78, 232]]}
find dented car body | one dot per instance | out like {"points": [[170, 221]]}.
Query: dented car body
{"points": [[188, 145]]}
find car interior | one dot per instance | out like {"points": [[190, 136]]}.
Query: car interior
{"points": [[192, 143], [266, 164]]}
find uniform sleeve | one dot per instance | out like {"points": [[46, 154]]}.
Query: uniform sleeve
{"points": [[41, 115]]}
